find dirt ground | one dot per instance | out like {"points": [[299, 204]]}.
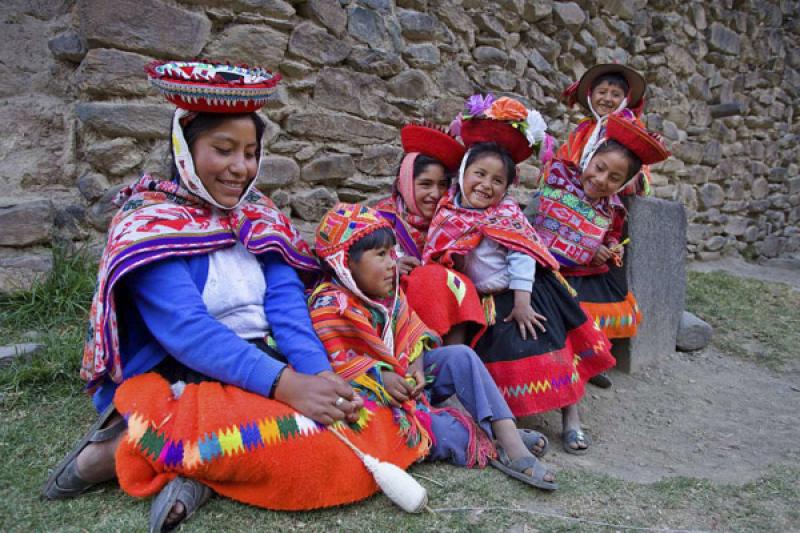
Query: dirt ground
{"points": [[700, 415]]}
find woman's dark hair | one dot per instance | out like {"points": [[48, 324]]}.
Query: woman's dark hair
{"points": [[617, 80], [480, 150], [422, 162], [380, 238], [634, 163], [208, 121]]}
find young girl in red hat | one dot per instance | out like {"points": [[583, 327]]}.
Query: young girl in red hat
{"points": [[540, 347]]}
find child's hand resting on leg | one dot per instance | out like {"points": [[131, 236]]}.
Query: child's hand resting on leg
{"points": [[527, 319], [396, 385]]}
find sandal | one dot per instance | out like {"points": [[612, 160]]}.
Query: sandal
{"points": [[578, 437], [64, 481], [531, 440], [517, 468], [601, 380], [192, 494]]}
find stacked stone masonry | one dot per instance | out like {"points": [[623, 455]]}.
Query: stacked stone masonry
{"points": [[81, 120]]}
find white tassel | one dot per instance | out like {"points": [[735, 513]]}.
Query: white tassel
{"points": [[396, 483]]}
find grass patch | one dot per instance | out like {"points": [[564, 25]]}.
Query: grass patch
{"points": [[43, 412], [754, 320]]}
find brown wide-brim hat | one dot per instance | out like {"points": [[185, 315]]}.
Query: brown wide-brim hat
{"points": [[636, 83]]}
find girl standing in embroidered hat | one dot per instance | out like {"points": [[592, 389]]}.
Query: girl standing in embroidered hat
{"points": [[198, 310], [603, 90], [378, 343], [579, 217], [431, 154], [540, 347]]}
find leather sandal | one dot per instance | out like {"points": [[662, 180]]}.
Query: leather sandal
{"points": [[517, 468], [191, 493], [578, 437], [64, 482], [530, 438]]}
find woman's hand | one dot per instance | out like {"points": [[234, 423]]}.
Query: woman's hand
{"points": [[398, 388], [406, 264], [527, 319], [416, 371], [601, 256], [325, 397]]}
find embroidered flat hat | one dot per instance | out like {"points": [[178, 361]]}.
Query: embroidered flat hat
{"points": [[213, 87], [343, 226], [636, 84], [505, 121], [434, 142], [647, 145]]}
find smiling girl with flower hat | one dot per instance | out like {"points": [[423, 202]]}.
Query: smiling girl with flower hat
{"points": [[540, 346]]}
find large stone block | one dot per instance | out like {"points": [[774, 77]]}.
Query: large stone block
{"points": [[116, 156], [655, 267], [380, 160], [140, 121], [338, 127], [353, 92], [274, 9], [312, 205], [569, 14], [379, 62], [366, 25], [277, 171], [20, 269], [148, 26], [328, 168], [723, 39], [27, 223], [316, 45], [247, 43], [693, 333], [329, 13], [106, 72]]}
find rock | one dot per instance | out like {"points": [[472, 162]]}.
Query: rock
{"points": [[277, 171], [655, 270], [759, 189], [452, 78], [693, 333], [539, 63], [569, 14], [101, 213], [316, 45], [312, 204], [343, 90], [366, 25], [624, 9], [769, 247], [711, 195], [425, 55], [140, 121], [380, 160], [20, 269], [379, 62], [371, 184], [489, 55], [715, 243], [338, 127], [27, 223], [92, 185], [724, 40], [329, 13], [170, 30], [537, 10], [411, 84], [247, 43], [442, 110], [417, 26], [328, 168], [116, 157], [18, 352], [106, 72], [729, 109], [736, 226], [699, 16], [277, 10], [777, 174], [712, 153], [67, 46]]}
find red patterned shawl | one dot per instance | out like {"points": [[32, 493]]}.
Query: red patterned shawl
{"points": [[160, 219], [455, 230]]}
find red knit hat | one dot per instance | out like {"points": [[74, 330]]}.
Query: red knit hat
{"points": [[434, 142], [213, 87], [645, 144], [477, 130]]}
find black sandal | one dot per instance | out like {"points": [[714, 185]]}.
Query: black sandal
{"points": [[192, 494], [64, 482], [517, 468]]}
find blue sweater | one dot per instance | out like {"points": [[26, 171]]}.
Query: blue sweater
{"points": [[160, 312]]}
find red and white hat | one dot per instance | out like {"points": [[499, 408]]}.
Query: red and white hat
{"points": [[213, 87]]}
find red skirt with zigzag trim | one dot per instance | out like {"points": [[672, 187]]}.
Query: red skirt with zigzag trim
{"points": [[549, 372]]}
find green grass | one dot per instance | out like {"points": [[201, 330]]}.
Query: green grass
{"points": [[43, 412], [754, 320]]}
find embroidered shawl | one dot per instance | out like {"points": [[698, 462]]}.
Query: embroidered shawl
{"points": [[571, 225], [160, 219], [455, 230]]}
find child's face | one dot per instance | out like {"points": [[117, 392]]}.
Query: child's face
{"points": [[429, 186], [225, 159], [374, 272], [485, 182], [606, 98], [605, 174]]}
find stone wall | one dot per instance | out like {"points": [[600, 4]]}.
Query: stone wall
{"points": [[80, 120]]}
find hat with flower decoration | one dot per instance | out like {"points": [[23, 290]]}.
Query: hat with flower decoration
{"points": [[647, 145], [505, 121], [213, 87]]}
